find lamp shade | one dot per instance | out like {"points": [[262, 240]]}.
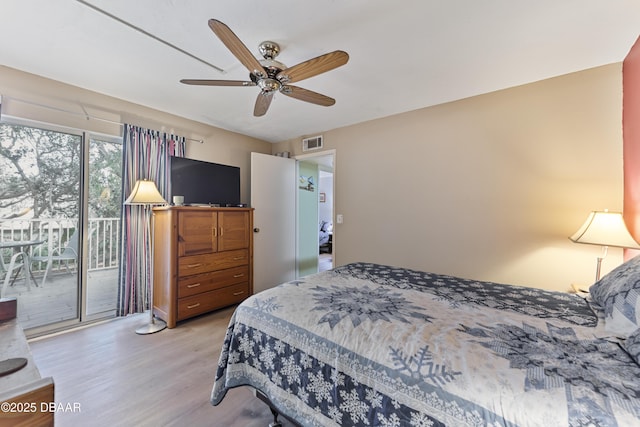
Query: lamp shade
{"points": [[145, 192], [605, 229]]}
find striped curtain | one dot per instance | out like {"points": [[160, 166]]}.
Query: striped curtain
{"points": [[145, 156]]}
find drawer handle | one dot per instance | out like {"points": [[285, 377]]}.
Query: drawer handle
{"points": [[194, 265], [193, 305], [238, 258], [195, 285], [235, 276], [235, 294]]}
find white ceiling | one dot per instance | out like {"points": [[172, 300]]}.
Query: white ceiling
{"points": [[404, 54]]}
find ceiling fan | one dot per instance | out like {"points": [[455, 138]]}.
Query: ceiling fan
{"points": [[272, 76]]}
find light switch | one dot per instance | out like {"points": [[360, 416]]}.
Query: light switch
{"points": [[339, 218]]}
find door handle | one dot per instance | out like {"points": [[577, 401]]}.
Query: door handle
{"points": [[256, 230]]}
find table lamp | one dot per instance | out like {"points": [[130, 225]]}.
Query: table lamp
{"points": [[606, 229], [146, 193]]}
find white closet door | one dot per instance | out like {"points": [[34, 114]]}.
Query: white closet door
{"points": [[273, 195]]}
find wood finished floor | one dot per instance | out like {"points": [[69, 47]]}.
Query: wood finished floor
{"points": [[119, 378], [325, 262]]}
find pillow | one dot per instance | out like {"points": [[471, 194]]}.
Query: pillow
{"points": [[632, 345], [618, 293]]}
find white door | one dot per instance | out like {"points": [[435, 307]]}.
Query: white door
{"points": [[273, 196]]}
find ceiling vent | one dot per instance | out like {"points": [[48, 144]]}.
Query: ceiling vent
{"points": [[313, 143]]}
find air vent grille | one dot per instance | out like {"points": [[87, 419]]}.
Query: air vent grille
{"points": [[313, 143]]}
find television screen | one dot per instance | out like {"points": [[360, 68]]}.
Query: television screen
{"points": [[204, 182]]}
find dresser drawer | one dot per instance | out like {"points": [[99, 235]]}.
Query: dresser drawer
{"points": [[199, 283], [207, 301], [198, 264]]}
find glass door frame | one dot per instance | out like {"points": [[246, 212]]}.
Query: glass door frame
{"points": [[85, 317], [83, 223]]}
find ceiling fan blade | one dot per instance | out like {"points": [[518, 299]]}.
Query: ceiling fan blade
{"points": [[235, 45], [307, 95], [205, 82], [262, 103], [313, 67]]}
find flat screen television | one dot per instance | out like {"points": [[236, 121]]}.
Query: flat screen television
{"points": [[205, 183]]}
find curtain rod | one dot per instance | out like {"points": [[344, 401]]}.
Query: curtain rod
{"points": [[86, 115], [146, 33]]}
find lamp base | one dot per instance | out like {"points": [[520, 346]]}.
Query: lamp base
{"points": [[151, 328]]}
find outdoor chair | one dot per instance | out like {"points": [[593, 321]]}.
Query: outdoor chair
{"points": [[61, 254], [14, 264]]}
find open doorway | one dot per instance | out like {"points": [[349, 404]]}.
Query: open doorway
{"points": [[325, 219], [321, 238]]}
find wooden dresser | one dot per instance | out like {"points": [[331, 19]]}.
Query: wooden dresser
{"points": [[203, 260]]}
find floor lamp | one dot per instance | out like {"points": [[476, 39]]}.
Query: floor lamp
{"points": [[146, 193]]}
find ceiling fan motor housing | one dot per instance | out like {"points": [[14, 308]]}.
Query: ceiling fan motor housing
{"points": [[269, 50]]}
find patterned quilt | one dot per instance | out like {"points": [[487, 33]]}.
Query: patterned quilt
{"points": [[373, 345]]}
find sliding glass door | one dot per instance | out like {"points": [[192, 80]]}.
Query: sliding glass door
{"points": [[104, 205], [59, 224]]}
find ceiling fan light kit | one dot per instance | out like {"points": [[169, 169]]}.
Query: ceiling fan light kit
{"points": [[272, 76]]}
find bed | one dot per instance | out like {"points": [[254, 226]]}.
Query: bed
{"points": [[375, 345]]}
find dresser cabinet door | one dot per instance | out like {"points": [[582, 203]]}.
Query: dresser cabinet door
{"points": [[197, 233], [233, 230]]}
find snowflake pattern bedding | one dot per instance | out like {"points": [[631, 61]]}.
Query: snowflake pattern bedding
{"points": [[373, 345]]}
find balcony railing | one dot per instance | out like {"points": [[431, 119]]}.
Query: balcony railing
{"points": [[103, 239]]}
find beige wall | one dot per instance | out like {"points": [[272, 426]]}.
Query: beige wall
{"points": [[22, 91], [488, 187]]}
